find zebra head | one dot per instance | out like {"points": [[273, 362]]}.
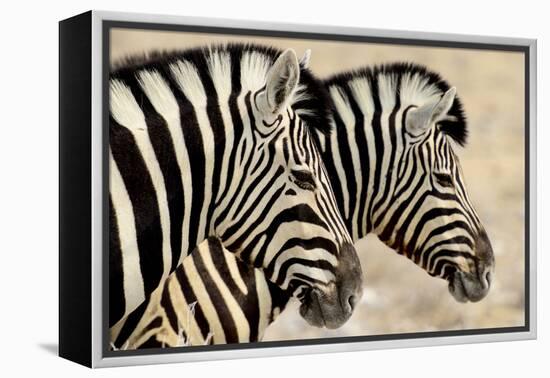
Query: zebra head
{"points": [[395, 174], [282, 215], [431, 219]]}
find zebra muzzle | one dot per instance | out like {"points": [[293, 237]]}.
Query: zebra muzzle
{"points": [[333, 305], [474, 286]]}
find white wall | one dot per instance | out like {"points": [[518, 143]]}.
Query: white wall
{"points": [[28, 188]]}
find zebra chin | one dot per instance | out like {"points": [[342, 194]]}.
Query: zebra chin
{"points": [[467, 287], [331, 306]]}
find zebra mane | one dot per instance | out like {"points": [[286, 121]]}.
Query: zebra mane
{"points": [[310, 100], [421, 85]]}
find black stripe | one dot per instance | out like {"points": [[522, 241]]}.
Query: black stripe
{"points": [[299, 213], [195, 149], [130, 325], [279, 298], [236, 120], [141, 191], [332, 218], [166, 303], [293, 142], [247, 250], [244, 175], [362, 149], [285, 266], [163, 145], [305, 244], [404, 159], [247, 302], [393, 143], [328, 160], [217, 125], [155, 323], [420, 258], [440, 230], [117, 302], [189, 295], [254, 206], [261, 159], [446, 253], [426, 217], [347, 164], [378, 141], [227, 321], [400, 211]]}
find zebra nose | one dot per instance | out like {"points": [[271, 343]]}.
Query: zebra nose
{"points": [[486, 260], [352, 300], [351, 278], [487, 277]]}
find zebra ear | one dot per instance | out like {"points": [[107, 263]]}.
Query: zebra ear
{"points": [[304, 62], [422, 118], [282, 80]]}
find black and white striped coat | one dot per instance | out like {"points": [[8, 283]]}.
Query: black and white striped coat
{"points": [[394, 125], [213, 297], [219, 142]]}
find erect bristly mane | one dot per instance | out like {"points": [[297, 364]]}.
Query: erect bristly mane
{"points": [[418, 83], [311, 100]]}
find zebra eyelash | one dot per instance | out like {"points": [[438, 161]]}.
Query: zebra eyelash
{"points": [[444, 179], [303, 179]]}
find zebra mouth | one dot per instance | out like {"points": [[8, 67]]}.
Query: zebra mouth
{"points": [[311, 309], [322, 309], [468, 287]]}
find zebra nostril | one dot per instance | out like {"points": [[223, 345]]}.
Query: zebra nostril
{"points": [[352, 300]]}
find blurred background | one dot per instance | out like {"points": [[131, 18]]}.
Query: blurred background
{"points": [[400, 297]]}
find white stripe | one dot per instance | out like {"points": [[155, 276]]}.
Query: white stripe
{"points": [[264, 302], [239, 318], [165, 103], [246, 223], [296, 228], [310, 272], [231, 261], [181, 306], [254, 68], [122, 206], [188, 79], [361, 91], [415, 90], [299, 252], [246, 136], [386, 94], [208, 309], [127, 113], [338, 98], [219, 66]]}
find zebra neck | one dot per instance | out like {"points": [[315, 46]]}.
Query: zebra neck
{"points": [[357, 157]]}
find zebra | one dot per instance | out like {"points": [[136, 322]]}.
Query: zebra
{"points": [[365, 102], [395, 174], [212, 297], [218, 141]]}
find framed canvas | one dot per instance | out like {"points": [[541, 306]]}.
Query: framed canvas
{"points": [[235, 189]]}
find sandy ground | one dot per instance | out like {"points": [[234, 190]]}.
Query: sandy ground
{"points": [[399, 296]]}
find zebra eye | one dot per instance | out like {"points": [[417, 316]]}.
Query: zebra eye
{"points": [[444, 179], [304, 179]]}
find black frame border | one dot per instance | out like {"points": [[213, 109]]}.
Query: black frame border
{"points": [[75, 189]]}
